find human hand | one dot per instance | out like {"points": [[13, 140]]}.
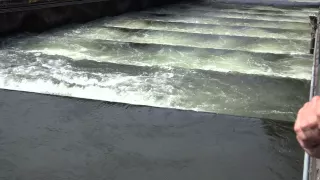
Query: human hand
{"points": [[307, 127]]}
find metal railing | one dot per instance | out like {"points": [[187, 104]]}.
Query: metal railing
{"points": [[310, 166]]}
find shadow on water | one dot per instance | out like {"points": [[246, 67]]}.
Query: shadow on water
{"points": [[50, 137], [284, 140]]}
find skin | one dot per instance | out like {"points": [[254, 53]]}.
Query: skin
{"points": [[307, 127]]}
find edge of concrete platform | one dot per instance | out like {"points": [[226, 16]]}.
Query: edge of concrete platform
{"points": [[312, 165]]}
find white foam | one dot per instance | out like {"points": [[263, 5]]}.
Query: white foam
{"points": [[108, 87], [230, 43], [162, 88], [246, 10], [220, 30], [240, 64], [221, 21], [239, 16]]}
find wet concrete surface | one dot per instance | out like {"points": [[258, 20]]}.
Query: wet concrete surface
{"points": [[49, 137]]}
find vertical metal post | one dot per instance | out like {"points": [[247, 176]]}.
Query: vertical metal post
{"points": [[306, 167], [309, 169]]}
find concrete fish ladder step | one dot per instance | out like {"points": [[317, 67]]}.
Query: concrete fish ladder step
{"points": [[209, 29], [250, 44], [219, 21], [210, 91], [285, 14], [243, 6], [234, 15], [166, 56], [287, 4]]}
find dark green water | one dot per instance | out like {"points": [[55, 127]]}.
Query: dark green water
{"points": [[48, 137]]}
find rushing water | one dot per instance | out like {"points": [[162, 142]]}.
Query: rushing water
{"points": [[251, 65]]}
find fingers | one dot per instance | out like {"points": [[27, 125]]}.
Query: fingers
{"points": [[309, 139], [305, 119], [313, 151], [308, 115], [315, 105], [307, 126]]}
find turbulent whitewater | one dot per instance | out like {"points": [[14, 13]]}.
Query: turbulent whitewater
{"points": [[177, 57]]}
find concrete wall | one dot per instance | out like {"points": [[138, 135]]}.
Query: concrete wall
{"points": [[38, 20]]}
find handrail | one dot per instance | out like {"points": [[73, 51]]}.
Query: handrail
{"points": [[306, 167], [310, 165]]}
